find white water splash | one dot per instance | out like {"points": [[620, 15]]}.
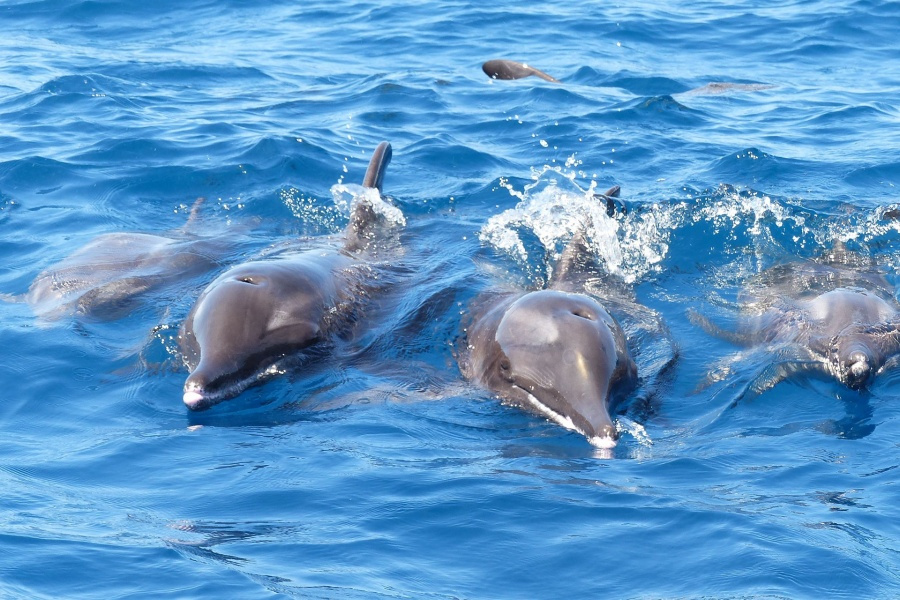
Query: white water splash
{"points": [[309, 210], [554, 208], [635, 429], [732, 211], [346, 195]]}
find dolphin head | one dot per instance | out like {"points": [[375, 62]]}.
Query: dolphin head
{"points": [[560, 353], [244, 323], [852, 322]]}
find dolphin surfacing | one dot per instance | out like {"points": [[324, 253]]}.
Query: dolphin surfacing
{"points": [[259, 314], [556, 351], [834, 316], [106, 278], [510, 69]]}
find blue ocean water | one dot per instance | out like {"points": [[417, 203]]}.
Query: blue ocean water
{"points": [[382, 473]]}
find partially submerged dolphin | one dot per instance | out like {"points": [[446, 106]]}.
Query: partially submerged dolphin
{"points": [[510, 69], [105, 278], [257, 314], [835, 316], [556, 351], [499, 68]]}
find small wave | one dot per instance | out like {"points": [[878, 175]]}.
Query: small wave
{"points": [[634, 429], [646, 86], [883, 174], [752, 165], [87, 84]]}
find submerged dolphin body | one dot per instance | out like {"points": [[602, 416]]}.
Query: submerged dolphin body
{"points": [[556, 351], [258, 313], [499, 68], [835, 316], [107, 277]]}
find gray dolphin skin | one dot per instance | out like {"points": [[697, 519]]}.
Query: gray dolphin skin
{"points": [[105, 279], [255, 316], [510, 69], [556, 351], [835, 316]]}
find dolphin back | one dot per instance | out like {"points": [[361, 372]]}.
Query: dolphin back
{"points": [[577, 259]]}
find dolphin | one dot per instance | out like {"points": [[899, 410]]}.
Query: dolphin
{"points": [[556, 351], [107, 277], [254, 317], [499, 68], [835, 315], [510, 69]]}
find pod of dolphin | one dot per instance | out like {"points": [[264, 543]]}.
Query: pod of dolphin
{"points": [[559, 351]]}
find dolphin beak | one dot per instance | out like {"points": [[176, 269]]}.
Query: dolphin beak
{"points": [[196, 396], [601, 432], [590, 417], [605, 436], [860, 371], [194, 400]]}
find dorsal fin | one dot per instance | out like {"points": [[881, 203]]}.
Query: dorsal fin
{"points": [[381, 158], [364, 217], [577, 257]]}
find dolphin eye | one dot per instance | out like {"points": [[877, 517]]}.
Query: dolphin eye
{"points": [[504, 364]]}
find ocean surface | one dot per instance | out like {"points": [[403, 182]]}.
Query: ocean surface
{"points": [[743, 135]]}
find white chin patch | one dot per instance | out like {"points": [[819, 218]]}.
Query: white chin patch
{"points": [[603, 443], [192, 399]]}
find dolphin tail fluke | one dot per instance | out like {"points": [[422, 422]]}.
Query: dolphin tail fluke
{"points": [[381, 158], [510, 69]]}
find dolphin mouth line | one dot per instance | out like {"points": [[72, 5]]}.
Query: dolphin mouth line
{"points": [[604, 443], [200, 399]]}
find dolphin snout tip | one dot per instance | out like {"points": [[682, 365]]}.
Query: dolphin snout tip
{"points": [[859, 375], [606, 437], [194, 400], [860, 371]]}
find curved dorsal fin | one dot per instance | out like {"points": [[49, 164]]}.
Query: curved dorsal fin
{"points": [[577, 257], [381, 158], [363, 218]]}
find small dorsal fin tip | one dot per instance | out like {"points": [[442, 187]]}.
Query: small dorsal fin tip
{"points": [[614, 206]]}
